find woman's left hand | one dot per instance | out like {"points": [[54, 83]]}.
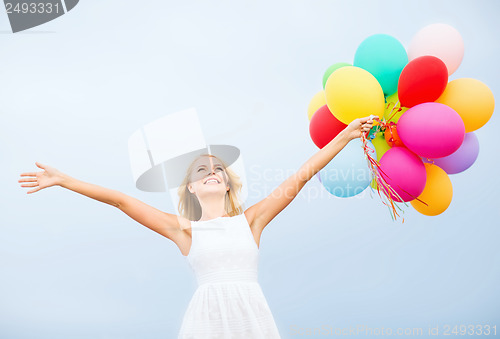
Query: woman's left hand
{"points": [[358, 126]]}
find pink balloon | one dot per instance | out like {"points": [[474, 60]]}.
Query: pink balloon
{"points": [[439, 40], [404, 171], [431, 130]]}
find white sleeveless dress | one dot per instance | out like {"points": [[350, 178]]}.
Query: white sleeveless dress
{"points": [[228, 302]]}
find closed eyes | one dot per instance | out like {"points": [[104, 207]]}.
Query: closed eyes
{"points": [[217, 168]]}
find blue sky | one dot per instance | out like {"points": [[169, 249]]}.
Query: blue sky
{"points": [[72, 92]]}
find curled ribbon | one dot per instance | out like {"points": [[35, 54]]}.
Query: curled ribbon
{"points": [[384, 189]]}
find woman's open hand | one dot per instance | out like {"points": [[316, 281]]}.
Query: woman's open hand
{"points": [[42, 179], [359, 126]]}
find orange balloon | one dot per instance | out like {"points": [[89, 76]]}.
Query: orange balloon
{"points": [[437, 193], [391, 136], [471, 99]]}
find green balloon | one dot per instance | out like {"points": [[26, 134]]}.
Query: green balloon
{"points": [[332, 69], [384, 57]]}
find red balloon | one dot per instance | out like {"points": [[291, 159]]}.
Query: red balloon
{"points": [[423, 79], [323, 126]]}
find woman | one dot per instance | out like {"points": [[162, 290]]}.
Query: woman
{"points": [[219, 240]]}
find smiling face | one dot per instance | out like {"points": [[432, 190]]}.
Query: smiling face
{"points": [[201, 198], [208, 175]]}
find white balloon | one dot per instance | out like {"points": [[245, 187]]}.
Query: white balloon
{"points": [[441, 41]]}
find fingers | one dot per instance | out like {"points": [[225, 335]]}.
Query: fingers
{"points": [[32, 174], [366, 127], [367, 119], [32, 182], [27, 180], [35, 184], [33, 191], [364, 120], [30, 185]]}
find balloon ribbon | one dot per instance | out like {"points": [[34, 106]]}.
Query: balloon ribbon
{"points": [[384, 190]]}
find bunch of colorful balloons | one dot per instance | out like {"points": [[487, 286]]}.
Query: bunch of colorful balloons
{"points": [[426, 122]]}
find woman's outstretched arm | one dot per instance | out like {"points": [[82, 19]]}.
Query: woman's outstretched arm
{"points": [[321, 158], [166, 224], [265, 210], [52, 177]]}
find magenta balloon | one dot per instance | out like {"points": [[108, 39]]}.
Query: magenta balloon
{"points": [[461, 159], [404, 171], [431, 130]]}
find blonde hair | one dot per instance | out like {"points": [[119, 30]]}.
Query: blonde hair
{"points": [[189, 206]]}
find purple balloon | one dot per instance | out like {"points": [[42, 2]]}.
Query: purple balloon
{"points": [[461, 159], [431, 130], [318, 176]]}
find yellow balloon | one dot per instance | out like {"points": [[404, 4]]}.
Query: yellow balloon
{"points": [[391, 108], [317, 101], [380, 144], [471, 99], [437, 193], [352, 92]]}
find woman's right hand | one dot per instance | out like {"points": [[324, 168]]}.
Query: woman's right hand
{"points": [[359, 126], [49, 177]]}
